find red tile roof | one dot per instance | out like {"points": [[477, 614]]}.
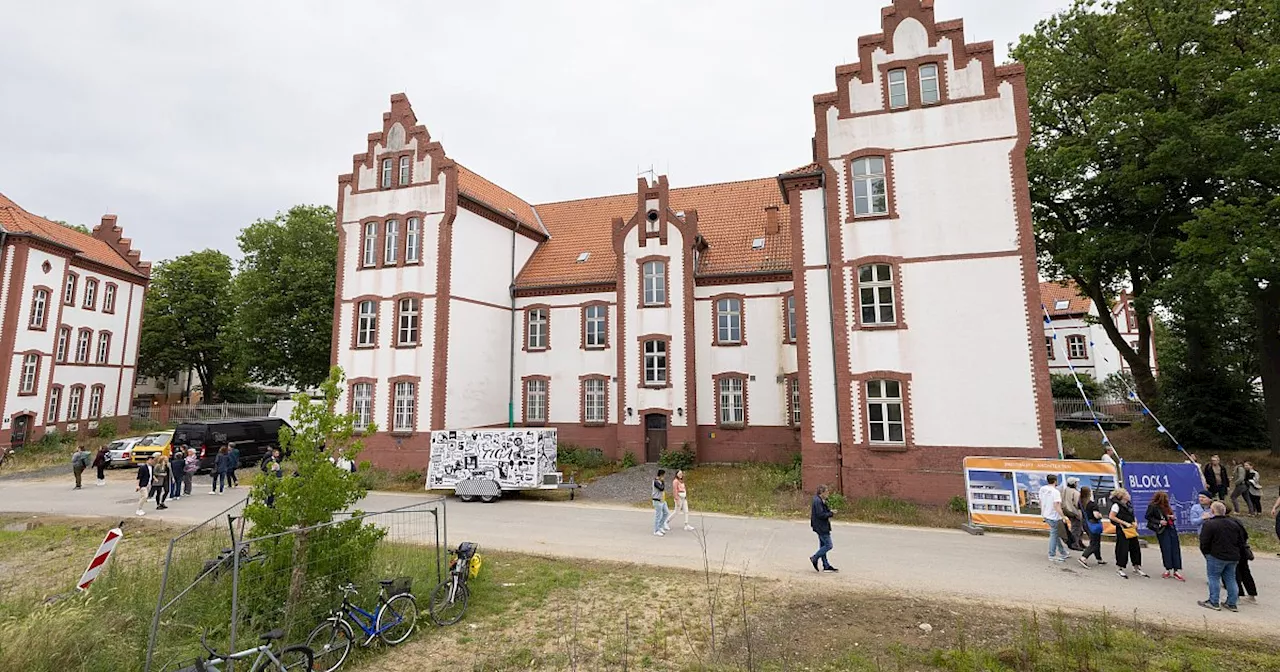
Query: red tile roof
{"points": [[16, 220], [1053, 292], [731, 216], [496, 198]]}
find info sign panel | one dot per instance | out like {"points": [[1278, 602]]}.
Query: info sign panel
{"points": [[1181, 481], [1005, 492]]}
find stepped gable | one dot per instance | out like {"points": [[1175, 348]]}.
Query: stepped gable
{"points": [[106, 246]]}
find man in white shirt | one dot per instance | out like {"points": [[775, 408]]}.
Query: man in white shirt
{"points": [[1051, 509]]}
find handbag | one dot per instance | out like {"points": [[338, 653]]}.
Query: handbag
{"points": [[1095, 528], [1247, 552], [1130, 532]]}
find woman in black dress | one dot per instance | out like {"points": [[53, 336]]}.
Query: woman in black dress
{"points": [[1092, 525], [1127, 547]]}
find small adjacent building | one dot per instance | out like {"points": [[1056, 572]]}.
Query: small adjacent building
{"points": [[70, 311], [1082, 342]]}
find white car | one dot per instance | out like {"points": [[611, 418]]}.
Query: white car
{"points": [[120, 452]]}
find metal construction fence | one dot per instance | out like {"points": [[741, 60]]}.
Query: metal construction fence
{"points": [[193, 412], [230, 588], [1110, 409]]}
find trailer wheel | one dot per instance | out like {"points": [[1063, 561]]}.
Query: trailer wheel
{"points": [[467, 498], [488, 499]]}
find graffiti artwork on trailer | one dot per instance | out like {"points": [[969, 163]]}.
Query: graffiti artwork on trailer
{"points": [[515, 458]]}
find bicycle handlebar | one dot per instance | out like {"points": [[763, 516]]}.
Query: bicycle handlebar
{"points": [[205, 643]]}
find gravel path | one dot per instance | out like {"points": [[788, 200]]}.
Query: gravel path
{"points": [[630, 486]]}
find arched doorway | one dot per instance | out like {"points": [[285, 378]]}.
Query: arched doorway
{"points": [[22, 424]]}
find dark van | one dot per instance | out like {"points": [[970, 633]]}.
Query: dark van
{"points": [[254, 437]]}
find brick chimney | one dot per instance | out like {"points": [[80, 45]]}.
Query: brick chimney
{"points": [[770, 220]]}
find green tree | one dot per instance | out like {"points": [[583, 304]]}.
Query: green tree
{"points": [[183, 321], [74, 227], [1063, 386], [284, 296]]}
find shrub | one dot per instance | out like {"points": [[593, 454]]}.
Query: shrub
{"points": [[568, 454], [107, 430], [1063, 386], [836, 501], [958, 504], [677, 459], [792, 476], [143, 425], [629, 460]]}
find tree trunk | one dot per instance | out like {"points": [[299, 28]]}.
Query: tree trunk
{"points": [[298, 576], [1267, 310], [1139, 361]]}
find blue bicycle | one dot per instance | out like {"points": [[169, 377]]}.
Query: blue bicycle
{"points": [[393, 622]]}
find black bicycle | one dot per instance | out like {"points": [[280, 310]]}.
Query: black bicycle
{"points": [[392, 621], [449, 599]]}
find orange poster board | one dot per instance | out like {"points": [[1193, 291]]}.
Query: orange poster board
{"points": [[1005, 492]]}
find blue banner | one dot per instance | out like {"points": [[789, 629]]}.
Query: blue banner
{"points": [[1180, 480]]}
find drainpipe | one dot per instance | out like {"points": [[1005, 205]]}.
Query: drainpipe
{"points": [[831, 307], [511, 371]]}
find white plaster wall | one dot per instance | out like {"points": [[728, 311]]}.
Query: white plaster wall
{"points": [[479, 365], [813, 234], [417, 196], [390, 281], [14, 403], [1068, 327], [565, 361], [481, 261], [765, 356], [669, 321], [910, 41], [27, 339], [77, 317], [971, 374], [906, 129], [385, 362]]}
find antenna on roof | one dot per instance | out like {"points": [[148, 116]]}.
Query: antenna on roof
{"points": [[653, 176]]}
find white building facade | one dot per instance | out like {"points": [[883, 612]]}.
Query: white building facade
{"points": [[814, 311], [72, 309], [1074, 336]]}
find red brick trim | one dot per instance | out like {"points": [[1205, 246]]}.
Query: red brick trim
{"points": [[444, 286], [1077, 338], [49, 304], [967, 256], [791, 380], [914, 94], [528, 313], [373, 396], [524, 401], [665, 338], [715, 320], [895, 267], [355, 322], [477, 302], [90, 298], [746, 408], [502, 219], [68, 352], [395, 309], [582, 398], [72, 281], [96, 352], [570, 288], [889, 190], [112, 234], [744, 278], [583, 315], [402, 239], [88, 349], [52, 418], [860, 392], [395, 157], [101, 391], [391, 407], [22, 369], [113, 290], [666, 279], [17, 273]]}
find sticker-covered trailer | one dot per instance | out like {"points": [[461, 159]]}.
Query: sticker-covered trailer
{"points": [[482, 463]]}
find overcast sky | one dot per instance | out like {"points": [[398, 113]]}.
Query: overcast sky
{"points": [[189, 120]]}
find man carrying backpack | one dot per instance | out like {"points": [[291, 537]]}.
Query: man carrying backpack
{"points": [[79, 462]]}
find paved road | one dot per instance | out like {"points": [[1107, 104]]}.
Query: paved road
{"points": [[997, 569]]}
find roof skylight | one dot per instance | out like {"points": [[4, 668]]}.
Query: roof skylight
{"points": [[583, 257], [757, 244], [1062, 304]]}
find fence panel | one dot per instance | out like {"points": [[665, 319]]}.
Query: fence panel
{"points": [[1110, 409], [198, 412]]}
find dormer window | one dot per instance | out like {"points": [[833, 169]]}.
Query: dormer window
{"points": [[404, 170], [897, 88], [929, 84], [387, 166]]}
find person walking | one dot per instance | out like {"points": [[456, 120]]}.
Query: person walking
{"points": [[160, 481], [1248, 588], [273, 467], [1051, 511], [190, 466], [1161, 520], [1275, 513], [1239, 476], [79, 462], [1093, 525], [820, 522], [145, 475], [1127, 547], [100, 462], [679, 497], [1253, 489], [1200, 511], [177, 468], [235, 464], [221, 466], [1221, 539], [1072, 516], [1216, 479], [659, 497]]}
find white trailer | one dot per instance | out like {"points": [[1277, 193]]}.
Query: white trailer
{"points": [[482, 463]]}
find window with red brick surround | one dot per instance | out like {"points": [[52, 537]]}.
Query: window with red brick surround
{"points": [[795, 401], [654, 281], [84, 341], [655, 360], [63, 345], [90, 294], [874, 174], [728, 320], [360, 396], [96, 396], [390, 169], [594, 399], [364, 323], [595, 325], [75, 401], [103, 355], [1048, 346], [29, 373], [69, 291], [402, 412], [731, 399], [915, 84], [878, 300], [55, 405], [109, 293], [40, 300], [536, 400], [1077, 347], [369, 243], [789, 323], [885, 408], [408, 327], [537, 328]]}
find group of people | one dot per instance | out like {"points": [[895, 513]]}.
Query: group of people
{"points": [[1248, 484], [662, 514]]}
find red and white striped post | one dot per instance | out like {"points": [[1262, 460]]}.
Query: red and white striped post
{"points": [[100, 558]]}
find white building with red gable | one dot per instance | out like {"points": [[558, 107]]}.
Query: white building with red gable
{"points": [[70, 311], [817, 311], [1074, 336]]}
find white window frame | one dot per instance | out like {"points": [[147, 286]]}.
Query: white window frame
{"points": [[404, 394], [536, 333], [729, 321], [404, 171], [790, 308], [407, 321], [69, 291], [82, 346], [594, 400], [387, 167], [884, 399], [656, 363], [90, 293], [366, 324], [64, 342], [597, 325], [1077, 340], [55, 405], [370, 244], [412, 240], [882, 312], [30, 370], [73, 403], [39, 309], [870, 186], [362, 404], [535, 400], [793, 389], [930, 84], [655, 282], [392, 241], [95, 402], [104, 347], [733, 401], [897, 83], [1048, 347], [109, 299]]}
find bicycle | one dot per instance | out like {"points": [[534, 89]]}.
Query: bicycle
{"points": [[453, 593], [394, 621], [265, 659]]}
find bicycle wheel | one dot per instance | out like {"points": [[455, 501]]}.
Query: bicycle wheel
{"points": [[330, 643], [396, 619], [298, 658], [445, 611]]}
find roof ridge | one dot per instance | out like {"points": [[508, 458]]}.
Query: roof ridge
{"points": [[85, 244], [632, 193]]}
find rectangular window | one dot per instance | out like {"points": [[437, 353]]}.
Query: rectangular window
{"points": [[537, 329], [393, 239], [362, 404], [69, 294], [870, 189], [412, 241], [728, 321], [95, 403], [104, 347], [64, 340], [370, 244], [386, 173], [408, 331], [655, 283], [655, 362], [897, 88], [535, 401], [732, 407], [791, 318], [82, 347], [875, 294], [403, 421], [404, 170], [595, 317], [929, 84], [109, 299], [39, 306], [1131, 317], [30, 367], [73, 404], [1076, 347], [367, 326], [55, 404], [793, 384], [593, 401], [1048, 346], [884, 411], [90, 293]]}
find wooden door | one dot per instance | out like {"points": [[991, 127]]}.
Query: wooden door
{"points": [[655, 436]]}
